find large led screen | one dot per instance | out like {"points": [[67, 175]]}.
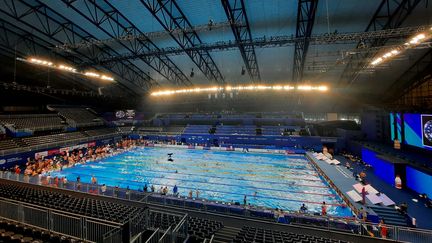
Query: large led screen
{"points": [[418, 130]]}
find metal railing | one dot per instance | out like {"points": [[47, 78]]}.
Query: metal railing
{"points": [[209, 240], [113, 236], [76, 226], [181, 229], [154, 238], [167, 237], [329, 223]]}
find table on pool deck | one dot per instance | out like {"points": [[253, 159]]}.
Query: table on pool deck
{"points": [[343, 179]]}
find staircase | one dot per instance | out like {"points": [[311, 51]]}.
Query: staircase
{"points": [[390, 216], [225, 235]]}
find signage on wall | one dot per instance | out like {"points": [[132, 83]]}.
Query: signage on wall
{"points": [[126, 114], [426, 130]]}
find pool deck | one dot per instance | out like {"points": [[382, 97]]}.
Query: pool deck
{"points": [[342, 180]]}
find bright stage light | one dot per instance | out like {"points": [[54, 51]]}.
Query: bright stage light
{"points": [[91, 74], [304, 87], [411, 43], [107, 78], [321, 88], [64, 67], [67, 68]]}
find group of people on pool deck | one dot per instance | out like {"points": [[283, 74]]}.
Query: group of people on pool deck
{"points": [[164, 191], [43, 165]]}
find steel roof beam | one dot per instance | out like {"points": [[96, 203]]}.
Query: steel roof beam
{"points": [[14, 38], [389, 15], [171, 17], [306, 11], [107, 18], [236, 14], [55, 27], [277, 41]]}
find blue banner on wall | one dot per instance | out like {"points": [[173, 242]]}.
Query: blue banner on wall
{"points": [[382, 168]]}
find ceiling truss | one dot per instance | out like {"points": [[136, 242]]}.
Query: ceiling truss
{"points": [[236, 14], [171, 17]]}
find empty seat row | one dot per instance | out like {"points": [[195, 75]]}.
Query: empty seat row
{"points": [[101, 131], [252, 234], [163, 220], [38, 140], [11, 231], [125, 129], [81, 116], [38, 122], [8, 144], [106, 210], [201, 228]]}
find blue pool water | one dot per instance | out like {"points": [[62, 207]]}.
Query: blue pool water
{"points": [[280, 181]]}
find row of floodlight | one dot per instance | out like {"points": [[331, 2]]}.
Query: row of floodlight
{"points": [[414, 41], [68, 69], [320, 88]]}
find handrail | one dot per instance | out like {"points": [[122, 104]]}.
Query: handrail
{"points": [[110, 232], [211, 239], [155, 233], [135, 238], [182, 221], [167, 232]]}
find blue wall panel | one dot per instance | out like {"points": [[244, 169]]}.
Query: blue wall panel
{"points": [[419, 181], [382, 168]]}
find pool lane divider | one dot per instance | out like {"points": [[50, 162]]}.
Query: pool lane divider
{"points": [[225, 177], [124, 180], [234, 172], [304, 161]]}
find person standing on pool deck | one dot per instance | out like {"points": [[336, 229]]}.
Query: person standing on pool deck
{"points": [[103, 189], [145, 187], [363, 192], [197, 193], [94, 180], [303, 208], [323, 209], [175, 190], [190, 194], [152, 188], [244, 200]]}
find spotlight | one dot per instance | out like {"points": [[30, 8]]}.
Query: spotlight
{"points": [[91, 74], [243, 71], [192, 73]]}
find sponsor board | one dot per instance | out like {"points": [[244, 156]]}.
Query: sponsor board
{"points": [[39, 155]]}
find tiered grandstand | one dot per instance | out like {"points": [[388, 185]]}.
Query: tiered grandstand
{"points": [[38, 122], [49, 139], [79, 117], [102, 131], [8, 144], [235, 130], [197, 129]]}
